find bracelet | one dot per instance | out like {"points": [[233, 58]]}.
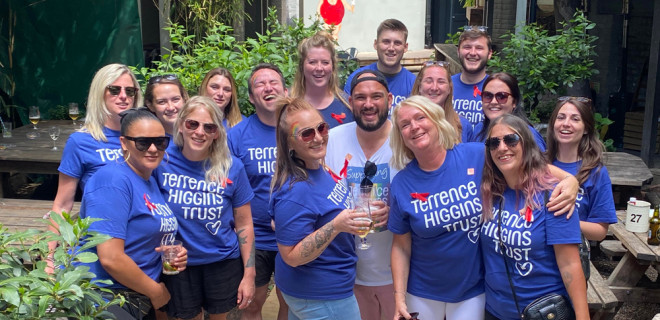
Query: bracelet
{"points": [[403, 293]]}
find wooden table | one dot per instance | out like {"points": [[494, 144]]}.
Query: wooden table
{"points": [[24, 214], [20, 154], [625, 277], [626, 169]]}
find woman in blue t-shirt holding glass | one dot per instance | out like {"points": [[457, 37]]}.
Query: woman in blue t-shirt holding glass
{"points": [[315, 266], [527, 251], [209, 192], [574, 146]]}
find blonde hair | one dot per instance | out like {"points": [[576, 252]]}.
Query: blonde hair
{"points": [[219, 158], [323, 40], [447, 138], [450, 114], [232, 111], [97, 111]]}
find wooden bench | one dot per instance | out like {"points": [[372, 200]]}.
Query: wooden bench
{"points": [[603, 304], [24, 214], [612, 248]]}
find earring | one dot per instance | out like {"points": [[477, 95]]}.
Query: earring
{"points": [[292, 154]]}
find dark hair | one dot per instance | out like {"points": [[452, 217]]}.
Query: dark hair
{"points": [[474, 34], [130, 116], [590, 148], [232, 111], [518, 110], [392, 25], [164, 79], [265, 66]]}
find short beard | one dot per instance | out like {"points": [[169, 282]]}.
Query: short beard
{"points": [[480, 68], [382, 117]]}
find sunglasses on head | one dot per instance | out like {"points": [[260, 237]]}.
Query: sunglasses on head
{"points": [[308, 134], [209, 128], [476, 28], [157, 79], [144, 143], [440, 63], [370, 170], [580, 99], [116, 90], [511, 140], [501, 97]]}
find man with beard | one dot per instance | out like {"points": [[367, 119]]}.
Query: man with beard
{"points": [[474, 51], [390, 44], [367, 142], [253, 141]]}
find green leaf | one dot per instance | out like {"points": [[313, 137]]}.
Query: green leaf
{"points": [[11, 296], [86, 257]]}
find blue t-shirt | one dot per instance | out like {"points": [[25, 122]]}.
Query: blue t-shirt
{"points": [[540, 142], [594, 202], [299, 211], [253, 142], [400, 85], [224, 122], [133, 210], [467, 133], [467, 99], [445, 260], [530, 254], [83, 155], [204, 209], [341, 113]]}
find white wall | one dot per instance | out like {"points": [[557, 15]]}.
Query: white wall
{"points": [[358, 28]]}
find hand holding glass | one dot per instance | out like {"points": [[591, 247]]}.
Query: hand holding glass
{"points": [[362, 196], [54, 133], [169, 252]]}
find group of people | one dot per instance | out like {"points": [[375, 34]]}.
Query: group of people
{"points": [[463, 183]]}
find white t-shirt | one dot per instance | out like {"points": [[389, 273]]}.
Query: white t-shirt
{"points": [[373, 267]]}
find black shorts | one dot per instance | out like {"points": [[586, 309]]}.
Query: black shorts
{"points": [[265, 266], [137, 306], [212, 286]]}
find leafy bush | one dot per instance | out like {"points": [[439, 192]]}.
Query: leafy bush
{"points": [[547, 64], [191, 60], [28, 292]]}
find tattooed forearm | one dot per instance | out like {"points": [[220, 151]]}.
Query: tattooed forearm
{"points": [[250, 262], [323, 235], [241, 239], [307, 247]]}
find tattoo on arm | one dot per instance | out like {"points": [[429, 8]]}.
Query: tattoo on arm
{"points": [[241, 240], [323, 235], [250, 262], [307, 247]]}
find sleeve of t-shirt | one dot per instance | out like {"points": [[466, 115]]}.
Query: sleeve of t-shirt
{"points": [[602, 200], [559, 230], [398, 221], [113, 206], [233, 146], [243, 192], [540, 142], [293, 222], [72, 163]]}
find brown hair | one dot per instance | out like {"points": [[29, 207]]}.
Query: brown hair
{"points": [[392, 25], [450, 114], [232, 111]]}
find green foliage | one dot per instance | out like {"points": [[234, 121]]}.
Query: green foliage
{"points": [[546, 64], [191, 60], [200, 16], [29, 292], [60, 112], [454, 37], [602, 124]]}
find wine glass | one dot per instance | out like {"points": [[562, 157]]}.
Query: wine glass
{"points": [[54, 133], [74, 112], [362, 198], [34, 115]]}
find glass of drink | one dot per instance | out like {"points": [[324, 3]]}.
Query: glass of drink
{"points": [[34, 115], [54, 133], [362, 198], [169, 250], [74, 112]]}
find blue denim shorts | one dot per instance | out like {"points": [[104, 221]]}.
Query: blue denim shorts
{"points": [[307, 309]]}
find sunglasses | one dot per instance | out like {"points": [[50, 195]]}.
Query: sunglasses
{"points": [[501, 97], [476, 28], [441, 63], [370, 170], [116, 90], [308, 134], [157, 79], [580, 99], [511, 140], [413, 316], [209, 128], [144, 143]]}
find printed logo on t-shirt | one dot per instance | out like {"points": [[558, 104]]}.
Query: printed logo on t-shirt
{"points": [[168, 222], [579, 200], [339, 194], [109, 154], [265, 158], [381, 183], [471, 109], [516, 237]]}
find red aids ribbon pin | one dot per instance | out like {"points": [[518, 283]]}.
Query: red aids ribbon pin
{"points": [[420, 196], [227, 181], [148, 203], [528, 214], [344, 171], [339, 117], [476, 91]]}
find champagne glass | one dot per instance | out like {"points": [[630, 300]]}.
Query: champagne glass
{"points": [[362, 196], [34, 115], [54, 133], [74, 112]]}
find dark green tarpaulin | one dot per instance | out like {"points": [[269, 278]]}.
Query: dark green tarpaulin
{"points": [[59, 45]]}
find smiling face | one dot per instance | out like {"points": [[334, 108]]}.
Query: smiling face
{"points": [[166, 103], [508, 159], [219, 89], [267, 86], [311, 152], [390, 47], [419, 133], [317, 68], [371, 104], [435, 84], [569, 127], [117, 104], [495, 109], [143, 162], [197, 142], [474, 55]]}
